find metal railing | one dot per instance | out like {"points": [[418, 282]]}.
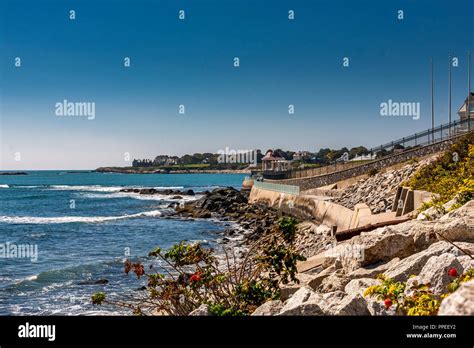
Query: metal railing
{"points": [[290, 189], [430, 136]]}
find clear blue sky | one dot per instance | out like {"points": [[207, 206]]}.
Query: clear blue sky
{"points": [[190, 62]]}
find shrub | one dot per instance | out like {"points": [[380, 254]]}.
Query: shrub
{"points": [[194, 275], [450, 176], [420, 302]]}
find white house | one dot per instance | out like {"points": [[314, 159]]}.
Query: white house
{"points": [[463, 115]]}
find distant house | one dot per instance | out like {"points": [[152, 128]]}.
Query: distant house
{"points": [[274, 162], [165, 160], [463, 115], [302, 156]]}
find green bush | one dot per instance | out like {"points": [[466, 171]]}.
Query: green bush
{"points": [[194, 275], [450, 176]]}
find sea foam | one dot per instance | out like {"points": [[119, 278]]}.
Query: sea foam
{"points": [[69, 219]]}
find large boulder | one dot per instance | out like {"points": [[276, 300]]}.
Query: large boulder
{"points": [[382, 244], [330, 301], [456, 229], [435, 272], [303, 302], [457, 225], [269, 308], [372, 271], [414, 263], [461, 302], [352, 304]]}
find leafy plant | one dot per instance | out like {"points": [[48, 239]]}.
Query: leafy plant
{"points": [[193, 275], [421, 301], [450, 176], [456, 283]]}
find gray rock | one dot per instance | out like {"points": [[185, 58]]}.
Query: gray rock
{"points": [[459, 229], [466, 262], [414, 263], [269, 308], [435, 272], [334, 282], [352, 304], [373, 270], [330, 301], [358, 286], [461, 302], [316, 280], [377, 307], [382, 244], [303, 302], [202, 310]]}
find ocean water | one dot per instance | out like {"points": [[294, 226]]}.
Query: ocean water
{"points": [[83, 229]]}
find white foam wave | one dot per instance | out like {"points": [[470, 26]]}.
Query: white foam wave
{"points": [[94, 188], [4, 186], [154, 197], [99, 188], [69, 219]]}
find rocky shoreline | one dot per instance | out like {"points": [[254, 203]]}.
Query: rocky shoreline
{"points": [[415, 249], [230, 205]]}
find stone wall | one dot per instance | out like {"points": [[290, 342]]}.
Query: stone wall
{"points": [[327, 179]]}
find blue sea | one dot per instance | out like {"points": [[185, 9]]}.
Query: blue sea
{"points": [[83, 229]]}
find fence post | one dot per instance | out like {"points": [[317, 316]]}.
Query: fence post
{"points": [[441, 132], [415, 139]]}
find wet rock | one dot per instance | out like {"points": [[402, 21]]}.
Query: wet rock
{"points": [[94, 282]]}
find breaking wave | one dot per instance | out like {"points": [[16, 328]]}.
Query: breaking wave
{"points": [[69, 219]]}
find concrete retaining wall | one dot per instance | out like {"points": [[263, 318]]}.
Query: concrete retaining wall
{"points": [[328, 213]]}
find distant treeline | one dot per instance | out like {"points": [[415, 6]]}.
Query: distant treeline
{"points": [[323, 156]]}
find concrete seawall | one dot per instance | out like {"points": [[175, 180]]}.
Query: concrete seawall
{"points": [[307, 207]]}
